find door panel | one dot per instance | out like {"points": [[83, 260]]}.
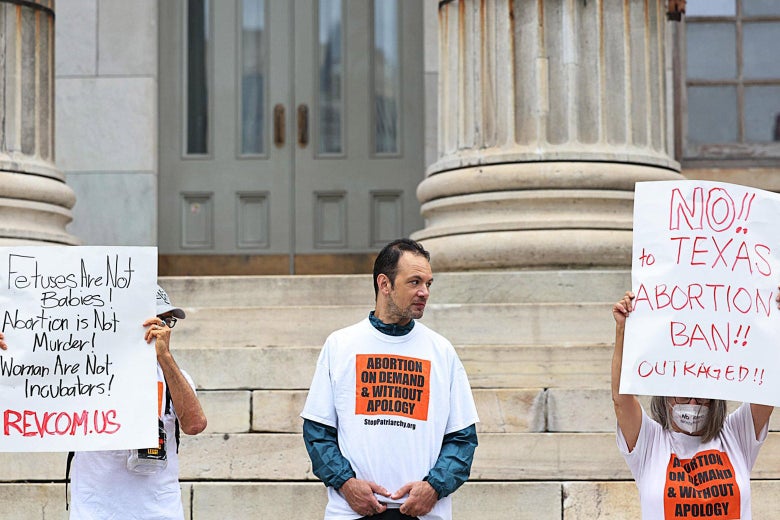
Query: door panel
{"points": [[359, 197], [296, 130], [228, 197]]}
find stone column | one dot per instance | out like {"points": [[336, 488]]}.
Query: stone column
{"points": [[35, 202], [549, 112]]}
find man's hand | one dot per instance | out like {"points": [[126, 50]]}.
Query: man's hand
{"points": [[422, 498], [160, 333], [3, 346], [360, 496]]}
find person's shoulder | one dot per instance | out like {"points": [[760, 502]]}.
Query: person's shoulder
{"points": [[431, 334], [361, 327]]}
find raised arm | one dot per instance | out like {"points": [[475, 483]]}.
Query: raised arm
{"points": [[188, 409], [627, 408], [760, 412]]}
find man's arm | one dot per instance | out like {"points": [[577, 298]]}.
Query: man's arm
{"points": [[453, 466], [451, 470], [330, 466], [188, 409], [327, 462]]}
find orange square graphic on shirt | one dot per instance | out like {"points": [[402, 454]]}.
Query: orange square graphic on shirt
{"points": [[392, 385], [702, 486]]}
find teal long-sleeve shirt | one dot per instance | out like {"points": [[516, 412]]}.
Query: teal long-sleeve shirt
{"points": [[451, 470]]}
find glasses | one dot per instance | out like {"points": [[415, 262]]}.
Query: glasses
{"points": [[686, 400], [170, 321]]}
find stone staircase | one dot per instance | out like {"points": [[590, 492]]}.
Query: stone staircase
{"points": [[537, 348]]}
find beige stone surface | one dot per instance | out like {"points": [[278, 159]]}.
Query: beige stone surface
{"points": [[226, 411], [219, 501], [488, 366], [507, 366], [510, 457], [507, 501], [548, 456], [600, 501], [76, 41], [580, 410], [544, 286], [545, 500], [277, 410], [116, 115], [462, 324], [510, 410], [31, 466], [275, 457], [488, 501], [32, 501], [127, 38]]}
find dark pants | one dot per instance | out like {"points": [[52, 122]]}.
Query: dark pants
{"points": [[390, 514]]}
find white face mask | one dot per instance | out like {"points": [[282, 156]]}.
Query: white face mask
{"points": [[690, 418]]}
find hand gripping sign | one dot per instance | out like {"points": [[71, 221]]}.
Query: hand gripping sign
{"points": [[705, 271], [76, 364]]}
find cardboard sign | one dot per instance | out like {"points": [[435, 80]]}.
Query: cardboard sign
{"points": [[705, 272], [77, 375]]}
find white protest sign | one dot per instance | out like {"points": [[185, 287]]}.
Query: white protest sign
{"points": [[705, 271], [75, 372]]}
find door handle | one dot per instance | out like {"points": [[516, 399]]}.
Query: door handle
{"points": [[279, 129], [303, 126]]}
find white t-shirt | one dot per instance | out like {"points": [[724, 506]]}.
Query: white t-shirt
{"points": [[102, 488], [392, 399], [680, 477]]}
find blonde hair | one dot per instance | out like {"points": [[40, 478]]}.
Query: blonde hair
{"points": [[661, 412]]}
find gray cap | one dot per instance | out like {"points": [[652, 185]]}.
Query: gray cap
{"points": [[164, 304]]}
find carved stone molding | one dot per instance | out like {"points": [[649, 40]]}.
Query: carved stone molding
{"points": [[35, 202]]}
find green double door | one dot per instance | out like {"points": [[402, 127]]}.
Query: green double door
{"points": [[289, 128]]}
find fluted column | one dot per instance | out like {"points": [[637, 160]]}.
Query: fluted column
{"points": [[549, 112], [35, 202]]}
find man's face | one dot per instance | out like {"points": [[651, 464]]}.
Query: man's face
{"points": [[409, 294]]}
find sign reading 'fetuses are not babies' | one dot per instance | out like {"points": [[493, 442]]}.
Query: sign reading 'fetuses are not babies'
{"points": [[76, 364], [705, 271]]}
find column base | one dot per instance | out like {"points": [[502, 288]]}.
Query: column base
{"points": [[34, 210], [552, 215]]}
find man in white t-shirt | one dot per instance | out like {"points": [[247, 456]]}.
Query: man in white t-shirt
{"points": [[143, 484], [390, 422]]}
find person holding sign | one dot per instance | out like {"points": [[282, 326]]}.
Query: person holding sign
{"points": [[691, 459], [143, 484], [389, 422]]}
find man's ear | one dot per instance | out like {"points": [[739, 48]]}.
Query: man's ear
{"points": [[384, 284]]}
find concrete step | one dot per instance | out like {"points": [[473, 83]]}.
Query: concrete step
{"points": [[503, 457], [488, 366], [502, 410], [465, 324], [505, 410], [543, 500], [470, 287], [523, 307]]}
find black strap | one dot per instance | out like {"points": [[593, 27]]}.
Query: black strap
{"points": [[168, 405], [67, 476]]}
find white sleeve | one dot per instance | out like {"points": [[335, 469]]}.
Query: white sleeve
{"points": [[320, 406], [463, 411]]}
